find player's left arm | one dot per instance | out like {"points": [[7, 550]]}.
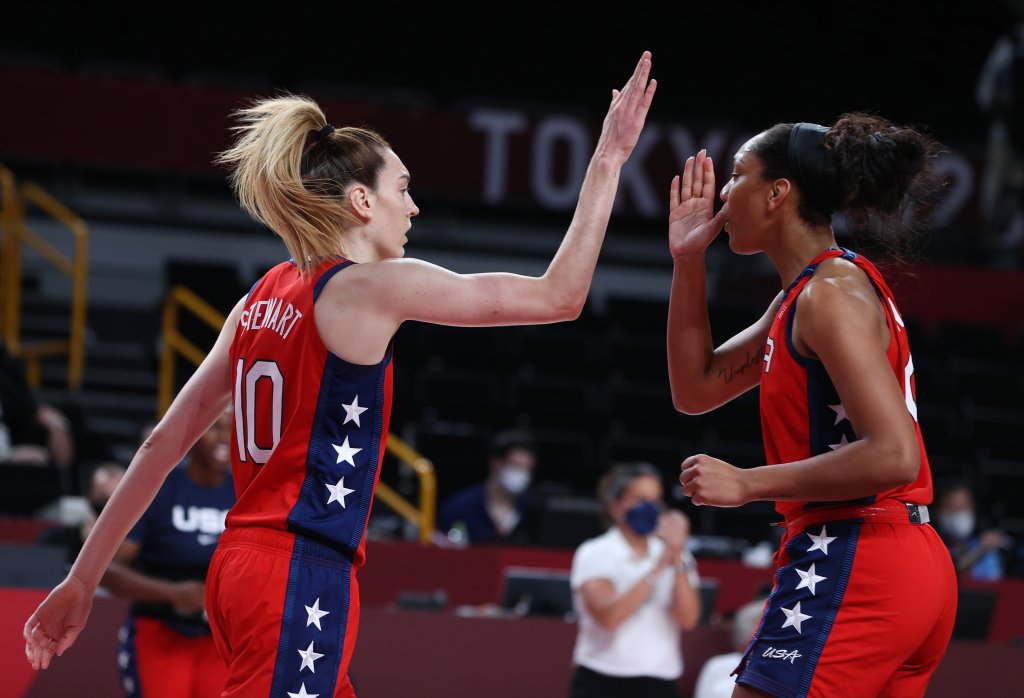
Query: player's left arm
{"points": [[842, 323], [56, 623]]}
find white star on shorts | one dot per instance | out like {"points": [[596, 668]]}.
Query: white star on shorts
{"points": [[794, 617], [338, 492], [820, 541], [352, 411], [314, 614], [809, 579], [309, 656], [302, 693], [345, 453]]}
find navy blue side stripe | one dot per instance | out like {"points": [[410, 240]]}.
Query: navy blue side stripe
{"points": [[327, 277]]}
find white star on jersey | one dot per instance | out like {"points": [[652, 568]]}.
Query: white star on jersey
{"points": [[314, 614], [338, 494], [345, 453], [820, 541], [353, 410], [794, 617], [809, 579], [302, 693], [309, 655], [840, 412], [843, 441]]}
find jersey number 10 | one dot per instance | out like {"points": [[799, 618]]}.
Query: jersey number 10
{"points": [[261, 378]]}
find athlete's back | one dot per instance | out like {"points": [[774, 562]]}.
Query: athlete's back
{"points": [[309, 426]]}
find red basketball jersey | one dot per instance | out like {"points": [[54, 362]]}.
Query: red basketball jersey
{"points": [[310, 428], [801, 413]]}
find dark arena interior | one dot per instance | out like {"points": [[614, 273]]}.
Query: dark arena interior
{"points": [[123, 250]]}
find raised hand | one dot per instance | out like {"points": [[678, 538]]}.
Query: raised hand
{"points": [[57, 622], [627, 113], [708, 480], [691, 224]]}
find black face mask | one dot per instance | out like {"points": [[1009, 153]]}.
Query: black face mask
{"points": [[98, 506]]}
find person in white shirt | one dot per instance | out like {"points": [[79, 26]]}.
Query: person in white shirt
{"points": [[716, 679], [634, 591]]}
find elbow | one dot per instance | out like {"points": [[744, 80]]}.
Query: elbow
{"points": [[909, 465], [562, 310], [570, 308], [688, 610], [690, 402], [557, 301], [903, 464], [688, 621], [608, 623], [685, 405]]}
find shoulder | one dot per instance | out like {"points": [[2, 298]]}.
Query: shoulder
{"points": [[838, 276], [838, 292], [599, 545], [594, 558], [377, 277]]}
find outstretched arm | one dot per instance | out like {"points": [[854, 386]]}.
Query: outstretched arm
{"points": [[701, 376], [55, 625], [415, 290]]}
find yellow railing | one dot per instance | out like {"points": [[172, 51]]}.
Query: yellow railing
{"points": [[174, 344], [17, 234]]}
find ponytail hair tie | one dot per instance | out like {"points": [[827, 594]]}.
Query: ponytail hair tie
{"points": [[324, 132]]}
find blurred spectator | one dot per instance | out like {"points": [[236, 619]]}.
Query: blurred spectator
{"points": [[497, 510], [36, 444], [634, 589], [102, 483], [976, 553], [716, 679], [1000, 94], [161, 568]]}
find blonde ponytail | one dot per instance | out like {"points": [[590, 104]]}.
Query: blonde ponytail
{"points": [[299, 194]]}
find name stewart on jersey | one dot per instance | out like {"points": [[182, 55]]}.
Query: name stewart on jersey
{"points": [[275, 314]]}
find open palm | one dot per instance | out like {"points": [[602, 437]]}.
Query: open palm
{"points": [[628, 111], [691, 224], [55, 625]]}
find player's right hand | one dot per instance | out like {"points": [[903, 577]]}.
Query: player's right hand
{"points": [[627, 113], [56, 623], [691, 225], [711, 481]]}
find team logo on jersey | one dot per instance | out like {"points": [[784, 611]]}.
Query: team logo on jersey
{"points": [[785, 655]]}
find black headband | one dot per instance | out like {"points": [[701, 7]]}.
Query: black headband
{"points": [[812, 167], [324, 132]]}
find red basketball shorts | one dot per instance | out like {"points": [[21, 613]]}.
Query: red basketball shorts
{"points": [[858, 609], [156, 661], [284, 612]]}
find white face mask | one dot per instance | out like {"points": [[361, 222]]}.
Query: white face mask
{"points": [[959, 524], [514, 480]]}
